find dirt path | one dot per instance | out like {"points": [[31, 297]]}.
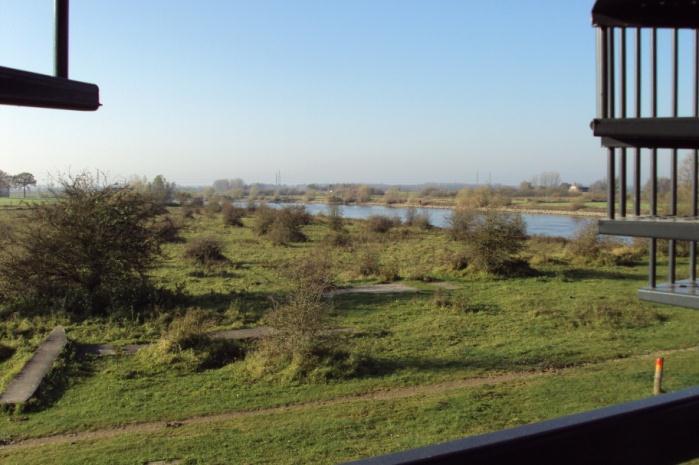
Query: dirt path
{"points": [[380, 395]]}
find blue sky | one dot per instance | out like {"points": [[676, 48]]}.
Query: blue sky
{"points": [[394, 91]]}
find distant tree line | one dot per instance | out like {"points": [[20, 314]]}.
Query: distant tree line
{"points": [[22, 181]]}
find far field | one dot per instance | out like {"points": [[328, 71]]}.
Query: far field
{"points": [[479, 354]]}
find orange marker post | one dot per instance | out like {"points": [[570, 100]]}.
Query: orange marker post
{"points": [[658, 379]]}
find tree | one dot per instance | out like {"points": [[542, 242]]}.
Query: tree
{"points": [[5, 182], [23, 180], [547, 180], [161, 190], [221, 185], [89, 251]]}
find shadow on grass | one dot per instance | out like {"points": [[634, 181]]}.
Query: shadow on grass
{"points": [[68, 371], [586, 273]]}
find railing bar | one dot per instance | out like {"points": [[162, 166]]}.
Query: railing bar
{"points": [[637, 154], [611, 152], [61, 38], [602, 72], [652, 260], [695, 164], [622, 160], [611, 71], [672, 246]]}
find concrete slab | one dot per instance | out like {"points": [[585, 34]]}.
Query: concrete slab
{"points": [[390, 288], [27, 381]]}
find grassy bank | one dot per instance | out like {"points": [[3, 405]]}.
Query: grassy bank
{"points": [[567, 323]]}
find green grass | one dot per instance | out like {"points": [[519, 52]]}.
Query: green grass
{"points": [[328, 434], [563, 317]]}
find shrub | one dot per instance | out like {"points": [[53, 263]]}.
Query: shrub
{"points": [[381, 224], [393, 196], [281, 226], [205, 251], [491, 240], [196, 202], [302, 347], [460, 222], [389, 271], [416, 219], [213, 206], [312, 272], [335, 219], [232, 216], [87, 251], [457, 261], [264, 217], [186, 342], [586, 243], [588, 247], [168, 228], [368, 262], [481, 197], [5, 352], [338, 238]]}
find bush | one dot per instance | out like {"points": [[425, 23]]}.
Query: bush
{"points": [[335, 219], [393, 196], [381, 224], [232, 216], [213, 206], [264, 218], [389, 271], [491, 240], [187, 342], [205, 251], [86, 252], [281, 226], [312, 272], [338, 238], [302, 347], [368, 262], [168, 228], [459, 223], [6, 352], [416, 219], [588, 247]]}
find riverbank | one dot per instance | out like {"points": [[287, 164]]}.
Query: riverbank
{"points": [[525, 211]]}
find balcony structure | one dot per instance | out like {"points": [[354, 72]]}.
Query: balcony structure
{"points": [[630, 124]]}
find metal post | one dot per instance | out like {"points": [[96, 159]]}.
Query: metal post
{"points": [[637, 154], [61, 39], [652, 261], [695, 164], [622, 160], [672, 252], [611, 176]]}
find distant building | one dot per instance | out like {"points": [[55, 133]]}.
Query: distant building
{"points": [[4, 191], [576, 188]]}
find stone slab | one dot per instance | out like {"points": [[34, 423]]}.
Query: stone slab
{"points": [[27, 381]]}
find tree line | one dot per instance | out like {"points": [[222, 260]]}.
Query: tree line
{"points": [[18, 181]]}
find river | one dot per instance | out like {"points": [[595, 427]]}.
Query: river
{"points": [[545, 225]]}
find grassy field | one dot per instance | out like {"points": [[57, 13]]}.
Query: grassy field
{"points": [[568, 338]]}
